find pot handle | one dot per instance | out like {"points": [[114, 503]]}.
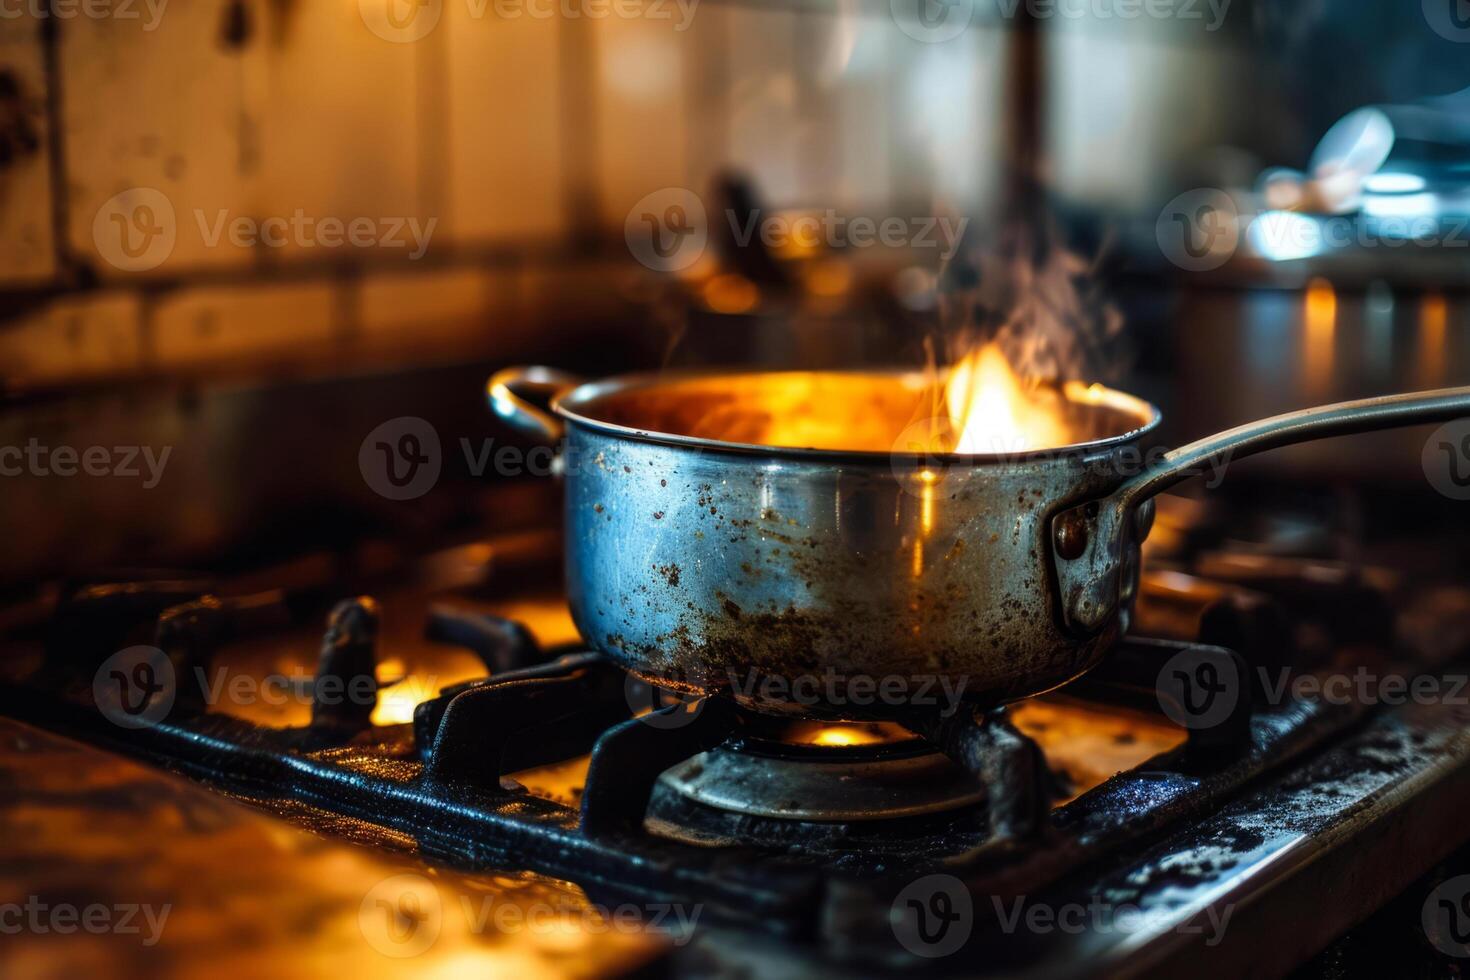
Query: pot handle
{"points": [[1088, 540], [510, 391]]}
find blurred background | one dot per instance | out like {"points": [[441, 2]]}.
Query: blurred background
{"points": [[1272, 195]]}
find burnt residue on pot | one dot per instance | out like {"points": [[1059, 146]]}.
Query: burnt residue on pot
{"points": [[709, 570]]}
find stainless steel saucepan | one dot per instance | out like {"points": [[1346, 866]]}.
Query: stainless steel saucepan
{"points": [[706, 554]]}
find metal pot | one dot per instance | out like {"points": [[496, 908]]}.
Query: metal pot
{"points": [[841, 584]]}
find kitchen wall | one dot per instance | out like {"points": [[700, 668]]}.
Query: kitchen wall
{"points": [[504, 151], [158, 155]]}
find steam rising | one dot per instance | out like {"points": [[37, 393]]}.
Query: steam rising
{"points": [[1041, 303]]}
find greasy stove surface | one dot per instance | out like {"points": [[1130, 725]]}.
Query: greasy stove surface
{"points": [[1139, 848], [222, 888], [180, 882]]}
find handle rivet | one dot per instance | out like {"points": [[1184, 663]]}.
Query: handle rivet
{"points": [[1071, 535]]}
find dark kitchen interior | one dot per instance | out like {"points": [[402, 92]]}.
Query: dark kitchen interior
{"points": [[679, 488]]}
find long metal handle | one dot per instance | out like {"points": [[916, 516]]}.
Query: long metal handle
{"points": [[511, 389], [1096, 544], [1344, 418]]}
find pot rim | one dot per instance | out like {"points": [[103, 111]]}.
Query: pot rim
{"points": [[566, 403]]}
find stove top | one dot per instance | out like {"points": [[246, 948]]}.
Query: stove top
{"points": [[1282, 758]]}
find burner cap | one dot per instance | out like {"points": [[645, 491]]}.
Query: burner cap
{"points": [[850, 776]]}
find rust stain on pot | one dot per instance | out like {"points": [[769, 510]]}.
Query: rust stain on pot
{"points": [[805, 570], [778, 536]]}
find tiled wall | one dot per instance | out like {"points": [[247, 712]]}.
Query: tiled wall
{"points": [[525, 140]]}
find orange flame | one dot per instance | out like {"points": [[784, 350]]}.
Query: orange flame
{"points": [[992, 410]]}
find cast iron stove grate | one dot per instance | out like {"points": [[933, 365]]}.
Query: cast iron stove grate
{"points": [[444, 779]]}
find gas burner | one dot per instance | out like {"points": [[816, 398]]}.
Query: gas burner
{"points": [[820, 784], [826, 783]]}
